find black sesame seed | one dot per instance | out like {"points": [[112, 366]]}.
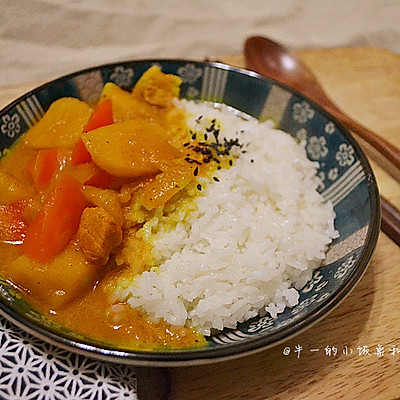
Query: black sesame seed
{"points": [[252, 160], [199, 187], [230, 162], [205, 136], [216, 179], [194, 136], [186, 144], [210, 128], [192, 161], [196, 171], [219, 167]]}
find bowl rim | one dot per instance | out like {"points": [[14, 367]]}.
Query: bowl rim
{"points": [[205, 355]]}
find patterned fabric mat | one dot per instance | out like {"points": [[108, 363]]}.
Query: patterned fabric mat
{"points": [[31, 369]]}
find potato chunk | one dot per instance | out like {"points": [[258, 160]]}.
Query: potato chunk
{"points": [[12, 190], [166, 184], [59, 281], [99, 233], [61, 126], [124, 105], [157, 88], [131, 148]]}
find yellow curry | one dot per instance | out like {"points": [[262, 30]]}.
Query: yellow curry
{"points": [[66, 188]]}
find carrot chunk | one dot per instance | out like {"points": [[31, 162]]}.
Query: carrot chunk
{"points": [[56, 222], [80, 155], [43, 167], [102, 116]]}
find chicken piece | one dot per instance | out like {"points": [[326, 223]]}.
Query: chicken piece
{"points": [[98, 234], [105, 198]]}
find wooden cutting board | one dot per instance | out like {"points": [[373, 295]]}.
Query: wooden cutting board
{"points": [[354, 352]]}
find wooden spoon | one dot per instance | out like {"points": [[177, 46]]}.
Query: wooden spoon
{"points": [[276, 62]]}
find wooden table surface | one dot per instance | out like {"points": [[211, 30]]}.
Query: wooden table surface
{"points": [[354, 352]]}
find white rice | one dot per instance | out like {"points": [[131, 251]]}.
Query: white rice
{"points": [[246, 244]]}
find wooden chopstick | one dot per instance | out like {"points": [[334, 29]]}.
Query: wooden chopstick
{"points": [[390, 215], [390, 224]]}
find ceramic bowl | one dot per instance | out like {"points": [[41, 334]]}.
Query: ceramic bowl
{"points": [[347, 181]]}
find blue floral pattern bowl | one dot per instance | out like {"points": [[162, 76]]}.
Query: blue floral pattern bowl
{"points": [[347, 181]]}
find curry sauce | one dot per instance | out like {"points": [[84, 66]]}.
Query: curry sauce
{"points": [[66, 188]]}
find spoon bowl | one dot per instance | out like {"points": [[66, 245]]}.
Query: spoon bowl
{"points": [[275, 61]]}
